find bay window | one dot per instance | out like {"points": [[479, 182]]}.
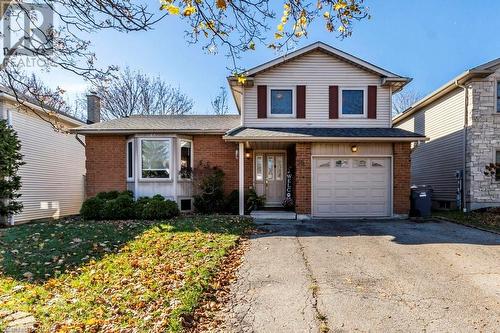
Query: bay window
{"points": [[186, 155], [155, 158], [130, 159]]}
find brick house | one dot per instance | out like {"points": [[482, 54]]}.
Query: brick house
{"points": [[318, 116], [462, 121]]}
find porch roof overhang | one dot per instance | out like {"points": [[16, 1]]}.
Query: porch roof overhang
{"points": [[308, 134]]}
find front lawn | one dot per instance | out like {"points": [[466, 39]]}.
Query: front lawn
{"points": [[487, 219], [109, 276]]}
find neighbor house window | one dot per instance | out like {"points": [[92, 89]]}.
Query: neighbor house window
{"points": [[186, 147], [498, 96], [130, 160], [155, 157], [281, 102], [352, 102], [497, 161]]}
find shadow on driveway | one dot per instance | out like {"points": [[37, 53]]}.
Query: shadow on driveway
{"points": [[403, 232]]}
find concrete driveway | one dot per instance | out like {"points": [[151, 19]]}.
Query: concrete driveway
{"points": [[378, 276]]}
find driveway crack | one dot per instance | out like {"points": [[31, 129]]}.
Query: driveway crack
{"points": [[321, 318]]}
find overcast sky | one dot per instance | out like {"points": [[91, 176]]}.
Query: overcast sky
{"points": [[428, 40]]}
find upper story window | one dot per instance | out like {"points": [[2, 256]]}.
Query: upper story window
{"points": [[352, 102], [498, 96], [130, 160], [281, 102], [155, 157], [186, 159]]}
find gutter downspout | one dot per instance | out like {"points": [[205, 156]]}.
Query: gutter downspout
{"points": [[466, 124]]}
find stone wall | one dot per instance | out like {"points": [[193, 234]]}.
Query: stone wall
{"points": [[483, 139]]}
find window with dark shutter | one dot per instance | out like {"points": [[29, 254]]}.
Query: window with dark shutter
{"points": [[261, 101], [333, 102], [301, 101], [372, 102]]}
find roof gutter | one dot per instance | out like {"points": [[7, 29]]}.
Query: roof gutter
{"points": [[146, 131], [441, 91], [11, 98], [322, 139], [466, 124]]}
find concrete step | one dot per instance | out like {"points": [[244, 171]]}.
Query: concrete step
{"points": [[273, 215]]}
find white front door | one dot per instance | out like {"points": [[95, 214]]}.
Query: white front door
{"points": [[351, 187]]}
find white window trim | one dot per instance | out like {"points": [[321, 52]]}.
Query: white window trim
{"points": [[170, 159], [179, 159], [365, 103], [294, 101], [133, 160]]}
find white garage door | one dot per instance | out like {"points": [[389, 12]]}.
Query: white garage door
{"points": [[351, 186]]}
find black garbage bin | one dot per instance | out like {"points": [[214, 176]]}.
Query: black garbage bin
{"points": [[421, 201]]}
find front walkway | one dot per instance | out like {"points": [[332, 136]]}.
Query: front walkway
{"points": [[368, 276]]}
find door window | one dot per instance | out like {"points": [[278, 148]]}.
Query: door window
{"points": [[270, 167], [279, 167]]}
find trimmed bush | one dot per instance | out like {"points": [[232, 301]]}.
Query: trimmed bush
{"points": [[108, 195], [232, 205], [158, 209], [92, 208], [121, 208]]}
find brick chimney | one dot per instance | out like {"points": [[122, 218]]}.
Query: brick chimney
{"points": [[93, 108]]}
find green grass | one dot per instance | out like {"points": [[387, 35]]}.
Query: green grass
{"points": [[107, 276], [484, 219]]}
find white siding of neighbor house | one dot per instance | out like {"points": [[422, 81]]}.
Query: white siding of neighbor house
{"points": [[317, 71], [53, 176], [436, 161]]}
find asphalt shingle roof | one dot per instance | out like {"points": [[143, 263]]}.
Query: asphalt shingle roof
{"points": [[177, 123], [304, 132]]}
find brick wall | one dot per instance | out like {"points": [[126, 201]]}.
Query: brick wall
{"points": [[105, 163], [303, 178], [214, 150], [401, 186]]}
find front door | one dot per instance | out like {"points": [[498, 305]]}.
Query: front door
{"points": [[274, 179]]}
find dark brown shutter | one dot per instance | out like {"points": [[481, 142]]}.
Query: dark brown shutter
{"points": [[372, 102], [333, 102], [261, 101], [301, 101]]}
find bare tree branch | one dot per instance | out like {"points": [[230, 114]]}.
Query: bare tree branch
{"points": [[134, 93], [220, 102], [404, 99]]}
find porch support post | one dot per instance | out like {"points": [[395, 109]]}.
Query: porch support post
{"points": [[241, 160]]}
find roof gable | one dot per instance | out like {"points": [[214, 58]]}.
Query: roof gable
{"points": [[327, 49]]}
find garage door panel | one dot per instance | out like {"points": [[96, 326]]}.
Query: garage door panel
{"points": [[351, 187]]}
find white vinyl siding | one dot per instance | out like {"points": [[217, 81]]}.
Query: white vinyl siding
{"points": [[317, 71], [53, 176], [435, 162]]}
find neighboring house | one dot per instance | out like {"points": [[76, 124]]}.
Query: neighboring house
{"points": [[462, 121], [320, 112], [53, 176]]}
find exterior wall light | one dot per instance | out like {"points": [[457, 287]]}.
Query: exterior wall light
{"points": [[354, 148], [247, 155]]}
